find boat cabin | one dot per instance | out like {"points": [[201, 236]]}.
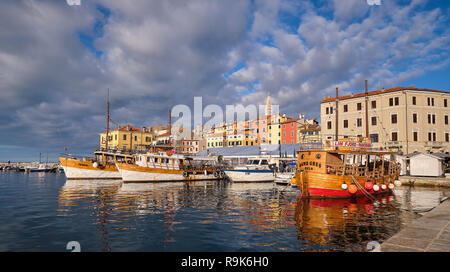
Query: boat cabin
{"points": [[356, 163]]}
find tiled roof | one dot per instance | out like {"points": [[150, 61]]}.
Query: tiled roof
{"points": [[396, 89], [126, 128]]}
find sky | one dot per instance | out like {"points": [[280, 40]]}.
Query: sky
{"points": [[57, 61]]}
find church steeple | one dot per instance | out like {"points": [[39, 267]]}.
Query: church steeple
{"points": [[268, 105]]}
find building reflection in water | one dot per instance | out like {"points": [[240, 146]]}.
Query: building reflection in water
{"points": [[99, 192], [238, 210]]}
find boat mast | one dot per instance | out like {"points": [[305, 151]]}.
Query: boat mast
{"points": [[170, 123], [337, 122], [107, 120], [367, 112]]}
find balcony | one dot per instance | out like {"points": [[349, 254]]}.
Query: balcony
{"points": [[393, 144], [434, 144]]}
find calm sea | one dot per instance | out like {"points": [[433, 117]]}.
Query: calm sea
{"points": [[43, 212]]}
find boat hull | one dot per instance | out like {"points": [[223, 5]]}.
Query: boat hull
{"points": [[132, 173], [243, 175], [321, 185], [76, 169]]}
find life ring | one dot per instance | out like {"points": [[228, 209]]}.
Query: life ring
{"points": [[185, 174]]}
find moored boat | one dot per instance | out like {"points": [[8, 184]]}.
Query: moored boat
{"points": [[159, 167], [101, 166], [346, 172], [257, 169]]}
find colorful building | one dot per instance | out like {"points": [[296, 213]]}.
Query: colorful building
{"points": [[126, 138], [289, 131]]}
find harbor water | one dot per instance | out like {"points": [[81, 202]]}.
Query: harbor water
{"points": [[43, 212]]}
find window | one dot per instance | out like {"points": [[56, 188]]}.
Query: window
{"points": [[394, 136], [414, 100], [394, 118], [329, 125], [430, 101], [359, 122], [445, 103], [147, 139], [124, 137], [374, 104], [358, 106], [446, 119], [374, 138], [115, 137], [391, 102], [415, 136], [284, 134], [374, 120], [345, 108], [345, 123], [292, 134], [327, 110], [135, 138], [432, 136], [396, 101], [414, 118], [447, 137], [292, 124], [433, 118]]}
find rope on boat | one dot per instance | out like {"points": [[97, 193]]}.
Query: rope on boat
{"points": [[365, 192]]}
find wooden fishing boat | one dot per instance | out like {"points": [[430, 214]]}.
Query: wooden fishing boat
{"points": [[159, 167], [346, 172], [101, 166]]}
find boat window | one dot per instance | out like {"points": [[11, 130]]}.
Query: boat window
{"points": [[264, 162], [318, 156]]}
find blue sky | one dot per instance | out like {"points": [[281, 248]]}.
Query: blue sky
{"points": [[57, 61]]}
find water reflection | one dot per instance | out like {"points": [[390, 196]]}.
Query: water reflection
{"points": [[232, 217], [97, 192]]}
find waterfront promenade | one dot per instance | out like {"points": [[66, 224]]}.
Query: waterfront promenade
{"points": [[430, 233], [425, 181]]}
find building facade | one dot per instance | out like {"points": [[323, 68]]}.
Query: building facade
{"points": [[403, 119], [126, 138]]}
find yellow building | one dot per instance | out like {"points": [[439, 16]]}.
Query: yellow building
{"points": [[274, 128], [126, 138]]}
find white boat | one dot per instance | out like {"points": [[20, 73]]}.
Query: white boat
{"points": [[153, 167], [102, 166], [285, 173], [255, 170], [37, 167]]}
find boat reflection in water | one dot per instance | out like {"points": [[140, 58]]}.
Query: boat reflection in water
{"points": [[222, 216]]}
